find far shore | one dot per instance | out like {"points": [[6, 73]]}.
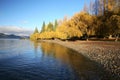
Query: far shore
{"points": [[105, 53]]}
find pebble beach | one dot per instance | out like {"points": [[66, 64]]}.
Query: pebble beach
{"points": [[105, 53]]}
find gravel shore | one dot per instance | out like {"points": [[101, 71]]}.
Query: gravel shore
{"points": [[107, 54]]}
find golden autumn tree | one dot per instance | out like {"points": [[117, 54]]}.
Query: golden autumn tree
{"points": [[99, 18], [84, 22], [35, 34], [114, 22], [67, 27]]}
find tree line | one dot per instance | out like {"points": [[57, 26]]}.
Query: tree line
{"points": [[101, 18]]}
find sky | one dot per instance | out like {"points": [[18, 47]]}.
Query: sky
{"points": [[20, 16]]}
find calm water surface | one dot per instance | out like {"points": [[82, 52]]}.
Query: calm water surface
{"points": [[26, 60]]}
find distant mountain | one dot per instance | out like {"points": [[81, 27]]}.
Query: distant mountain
{"points": [[12, 36]]}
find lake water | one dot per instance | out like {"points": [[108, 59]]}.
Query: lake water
{"points": [[26, 60]]}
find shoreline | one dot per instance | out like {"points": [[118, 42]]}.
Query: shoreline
{"points": [[105, 53]]}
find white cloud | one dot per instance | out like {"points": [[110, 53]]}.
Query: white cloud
{"points": [[15, 30]]}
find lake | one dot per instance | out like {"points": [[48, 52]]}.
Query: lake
{"points": [[27, 60]]}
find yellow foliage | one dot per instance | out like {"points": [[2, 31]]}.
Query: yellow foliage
{"points": [[46, 35], [50, 35], [60, 35], [34, 36], [74, 27]]}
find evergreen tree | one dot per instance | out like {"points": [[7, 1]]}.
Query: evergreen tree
{"points": [[36, 31], [50, 27], [55, 25], [43, 27]]}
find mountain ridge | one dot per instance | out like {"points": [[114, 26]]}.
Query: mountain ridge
{"points": [[12, 36]]}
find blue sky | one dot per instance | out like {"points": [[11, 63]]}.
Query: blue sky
{"points": [[31, 13]]}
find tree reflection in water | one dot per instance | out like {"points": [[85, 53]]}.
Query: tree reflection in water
{"points": [[83, 67]]}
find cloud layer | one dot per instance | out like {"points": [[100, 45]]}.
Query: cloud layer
{"points": [[15, 30]]}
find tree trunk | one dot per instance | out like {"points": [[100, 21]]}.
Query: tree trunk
{"points": [[116, 39]]}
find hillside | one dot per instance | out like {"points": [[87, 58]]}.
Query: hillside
{"points": [[12, 36]]}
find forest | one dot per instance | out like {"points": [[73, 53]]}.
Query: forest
{"points": [[99, 19]]}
